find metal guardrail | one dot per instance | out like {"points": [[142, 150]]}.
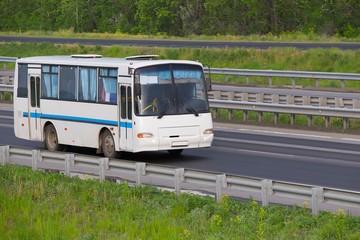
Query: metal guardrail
{"points": [[288, 104], [7, 60], [285, 74], [6, 88], [266, 191]]}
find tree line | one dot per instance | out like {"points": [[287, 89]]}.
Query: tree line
{"points": [[184, 17]]}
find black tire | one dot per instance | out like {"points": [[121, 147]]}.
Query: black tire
{"points": [[108, 145], [176, 152], [51, 139]]}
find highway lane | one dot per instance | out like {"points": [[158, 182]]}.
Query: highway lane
{"points": [[181, 44], [317, 160]]}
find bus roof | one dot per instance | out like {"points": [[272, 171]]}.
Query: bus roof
{"points": [[99, 61]]}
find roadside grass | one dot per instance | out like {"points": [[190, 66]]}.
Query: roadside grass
{"points": [[7, 96], [48, 205], [287, 36]]}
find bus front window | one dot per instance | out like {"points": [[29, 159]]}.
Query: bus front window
{"points": [[170, 90]]}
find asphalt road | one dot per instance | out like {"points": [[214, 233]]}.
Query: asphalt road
{"points": [[181, 44], [329, 161]]}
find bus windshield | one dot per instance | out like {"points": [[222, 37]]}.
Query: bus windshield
{"points": [[169, 90]]}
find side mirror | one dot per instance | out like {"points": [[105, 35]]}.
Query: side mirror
{"points": [[208, 84], [137, 90], [208, 79]]}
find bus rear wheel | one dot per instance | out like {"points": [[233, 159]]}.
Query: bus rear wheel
{"points": [[108, 145], [51, 139]]}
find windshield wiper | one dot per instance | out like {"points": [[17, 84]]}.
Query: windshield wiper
{"points": [[162, 113], [192, 110]]}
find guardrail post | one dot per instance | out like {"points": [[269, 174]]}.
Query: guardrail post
{"points": [[317, 83], [220, 184], [356, 103], [244, 96], [276, 118], [69, 160], [35, 158], [215, 113], [230, 114], [292, 119], [275, 98], [103, 164], [247, 80], [290, 99], [270, 81], [343, 84], [140, 169], [266, 190], [317, 196], [245, 115], [327, 121], [339, 102], [178, 178], [310, 120], [346, 123], [293, 83], [260, 117], [5, 154], [306, 100]]}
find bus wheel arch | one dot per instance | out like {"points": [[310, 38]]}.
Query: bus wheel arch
{"points": [[99, 149], [51, 138], [107, 144]]}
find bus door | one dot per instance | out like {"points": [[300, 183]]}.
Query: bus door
{"points": [[34, 107], [126, 124]]}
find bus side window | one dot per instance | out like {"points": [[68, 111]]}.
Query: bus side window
{"points": [[68, 83], [129, 103], [22, 90], [32, 91], [123, 102], [107, 85]]}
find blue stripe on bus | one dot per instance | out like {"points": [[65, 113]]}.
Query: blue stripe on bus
{"points": [[125, 124], [77, 119]]}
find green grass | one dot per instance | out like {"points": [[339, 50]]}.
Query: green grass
{"points": [[282, 37], [45, 205]]}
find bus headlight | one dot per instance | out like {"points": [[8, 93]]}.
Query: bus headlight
{"points": [[145, 135], [208, 131]]}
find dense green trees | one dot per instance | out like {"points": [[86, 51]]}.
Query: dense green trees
{"points": [[184, 17]]}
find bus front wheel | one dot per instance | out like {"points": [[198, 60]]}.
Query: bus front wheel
{"points": [[108, 145], [51, 139]]}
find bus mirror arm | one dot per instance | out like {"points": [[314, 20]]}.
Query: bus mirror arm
{"points": [[138, 90], [208, 79], [208, 84]]}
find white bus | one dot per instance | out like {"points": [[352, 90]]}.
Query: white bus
{"points": [[112, 104]]}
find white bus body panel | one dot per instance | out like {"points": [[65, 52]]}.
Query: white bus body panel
{"points": [[79, 123], [21, 123], [172, 132]]}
